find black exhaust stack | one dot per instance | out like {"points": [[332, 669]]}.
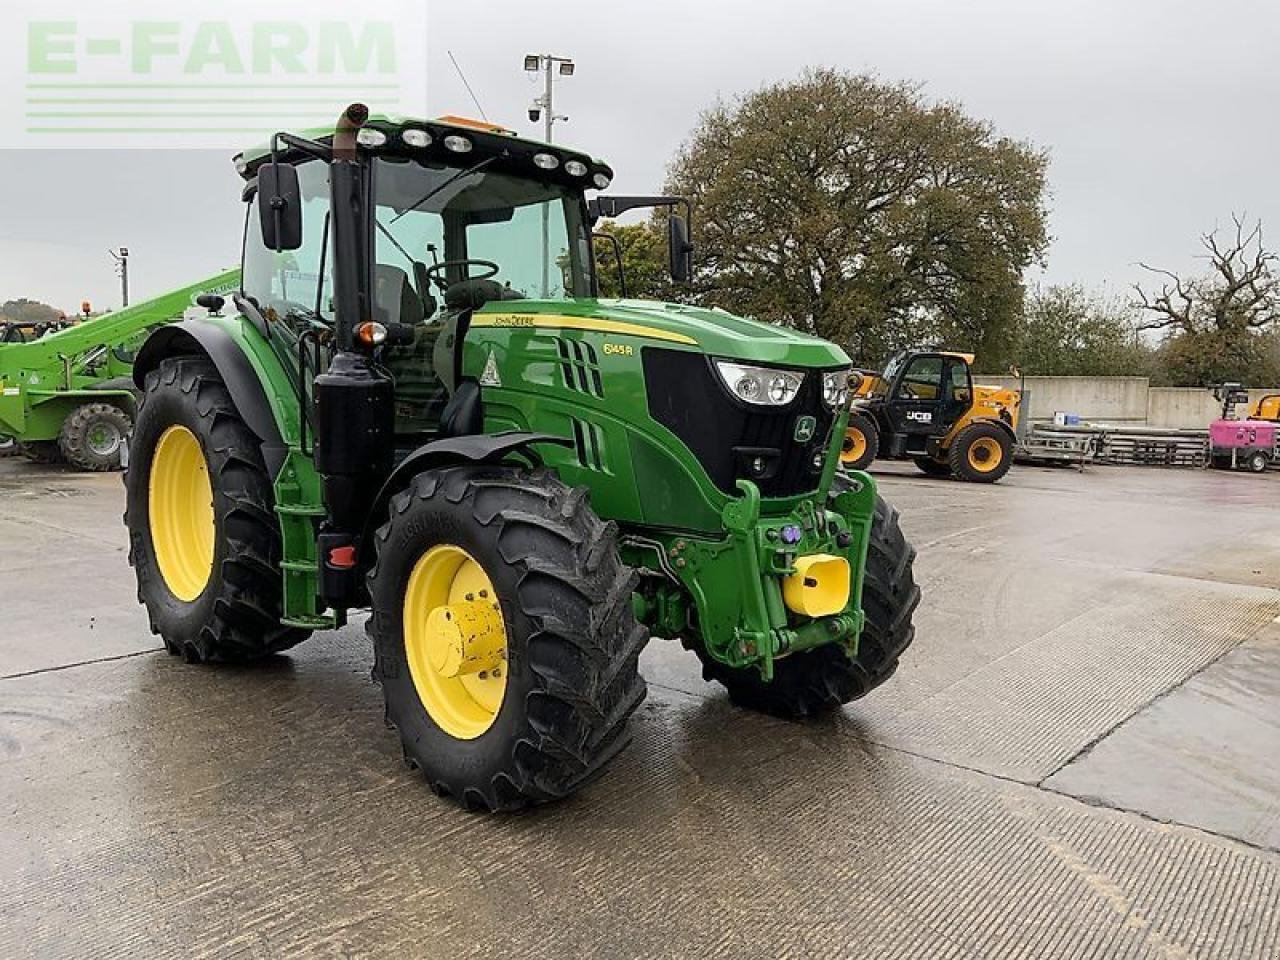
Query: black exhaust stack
{"points": [[355, 417]]}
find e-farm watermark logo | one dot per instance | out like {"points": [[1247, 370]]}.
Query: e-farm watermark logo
{"points": [[146, 74]]}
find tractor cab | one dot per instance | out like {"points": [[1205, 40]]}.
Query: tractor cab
{"points": [[460, 216], [924, 407], [924, 395]]}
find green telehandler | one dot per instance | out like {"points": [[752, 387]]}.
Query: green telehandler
{"points": [[419, 405], [69, 394]]}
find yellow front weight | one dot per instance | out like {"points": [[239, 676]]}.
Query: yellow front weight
{"points": [[466, 638], [819, 587]]}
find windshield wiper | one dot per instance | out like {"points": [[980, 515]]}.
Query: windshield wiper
{"points": [[394, 242], [457, 176]]}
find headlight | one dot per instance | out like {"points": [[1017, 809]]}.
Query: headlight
{"points": [[760, 385], [835, 388]]}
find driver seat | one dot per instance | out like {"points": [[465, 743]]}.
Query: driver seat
{"points": [[394, 298]]}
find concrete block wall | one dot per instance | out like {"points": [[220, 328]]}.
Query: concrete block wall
{"points": [[1114, 399], [1182, 407], [1123, 400]]}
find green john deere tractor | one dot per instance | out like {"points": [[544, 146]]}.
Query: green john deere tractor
{"points": [[420, 406]]}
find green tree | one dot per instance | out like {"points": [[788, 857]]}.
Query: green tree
{"points": [[644, 261], [1221, 325], [1065, 330], [1202, 359], [858, 211]]}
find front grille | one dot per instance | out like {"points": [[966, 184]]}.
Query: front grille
{"points": [[731, 438]]}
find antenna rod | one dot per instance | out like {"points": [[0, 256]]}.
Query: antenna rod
{"points": [[463, 77]]}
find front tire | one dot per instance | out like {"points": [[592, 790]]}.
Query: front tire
{"points": [[94, 436], [563, 635], [203, 538], [1257, 462], [819, 681], [982, 453]]}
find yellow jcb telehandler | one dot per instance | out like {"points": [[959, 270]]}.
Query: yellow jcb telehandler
{"points": [[925, 408]]}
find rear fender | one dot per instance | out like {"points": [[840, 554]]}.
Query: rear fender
{"points": [[212, 340]]}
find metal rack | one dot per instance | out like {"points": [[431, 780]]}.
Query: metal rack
{"points": [[1122, 445]]}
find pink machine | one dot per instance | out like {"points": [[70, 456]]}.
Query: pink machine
{"points": [[1241, 444]]}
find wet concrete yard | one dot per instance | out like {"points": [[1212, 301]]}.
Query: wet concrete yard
{"points": [[1080, 757]]}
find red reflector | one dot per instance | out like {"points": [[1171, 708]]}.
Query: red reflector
{"points": [[342, 557]]}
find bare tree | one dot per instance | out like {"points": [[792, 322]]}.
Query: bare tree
{"points": [[1240, 292]]}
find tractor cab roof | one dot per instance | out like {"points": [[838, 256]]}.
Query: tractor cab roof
{"points": [[453, 141]]}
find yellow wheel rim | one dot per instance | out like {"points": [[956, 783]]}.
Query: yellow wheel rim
{"points": [[985, 454], [455, 641], [180, 508], [855, 445]]}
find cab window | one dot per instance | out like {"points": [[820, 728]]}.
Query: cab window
{"points": [[287, 286], [922, 379], [959, 388]]}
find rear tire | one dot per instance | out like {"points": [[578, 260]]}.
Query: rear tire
{"points": [[982, 453], [44, 452], [861, 442], [94, 436], [821, 680], [235, 617], [932, 467], [572, 639]]}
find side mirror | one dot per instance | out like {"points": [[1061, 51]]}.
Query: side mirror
{"points": [[680, 249], [280, 206]]}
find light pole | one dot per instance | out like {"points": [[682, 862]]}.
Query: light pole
{"points": [[121, 258], [544, 106]]}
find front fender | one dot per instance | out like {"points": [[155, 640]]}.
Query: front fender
{"points": [[478, 448]]}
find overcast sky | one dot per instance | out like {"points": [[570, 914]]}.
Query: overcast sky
{"points": [[1160, 118]]}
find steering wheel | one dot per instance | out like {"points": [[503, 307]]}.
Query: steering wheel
{"points": [[434, 271]]}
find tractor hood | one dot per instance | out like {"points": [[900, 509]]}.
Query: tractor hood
{"points": [[714, 332]]}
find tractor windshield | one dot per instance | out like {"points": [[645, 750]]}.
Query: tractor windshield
{"points": [[529, 237]]}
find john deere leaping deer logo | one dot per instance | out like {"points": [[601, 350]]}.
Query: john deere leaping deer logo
{"points": [[805, 428]]}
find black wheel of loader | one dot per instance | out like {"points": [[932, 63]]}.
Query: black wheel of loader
{"points": [[8, 447], [203, 537], [821, 680], [94, 436], [861, 442], [982, 453], [932, 467], [44, 452], [504, 635]]}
